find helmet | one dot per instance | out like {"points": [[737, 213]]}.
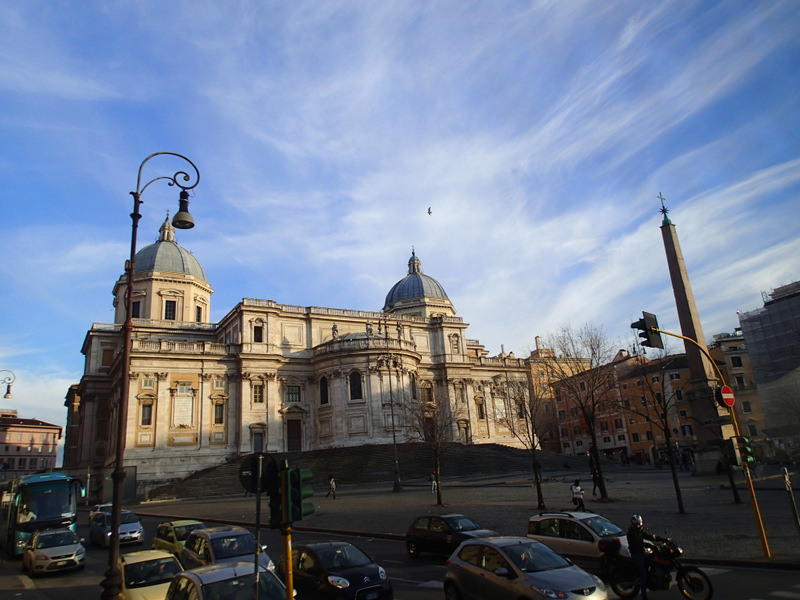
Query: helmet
{"points": [[637, 521]]}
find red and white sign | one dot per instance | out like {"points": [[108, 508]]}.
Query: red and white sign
{"points": [[727, 395]]}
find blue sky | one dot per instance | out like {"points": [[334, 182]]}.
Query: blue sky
{"points": [[540, 134]]}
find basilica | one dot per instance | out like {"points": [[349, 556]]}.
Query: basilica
{"points": [[270, 377]]}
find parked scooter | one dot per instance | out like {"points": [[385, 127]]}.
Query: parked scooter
{"points": [[663, 557]]}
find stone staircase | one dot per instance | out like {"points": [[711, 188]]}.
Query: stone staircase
{"points": [[369, 464]]}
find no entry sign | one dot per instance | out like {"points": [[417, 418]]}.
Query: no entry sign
{"points": [[727, 395]]}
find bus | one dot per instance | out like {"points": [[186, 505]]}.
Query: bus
{"points": [[37, 501]]}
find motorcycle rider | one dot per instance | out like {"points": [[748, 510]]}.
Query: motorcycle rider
{"points": [[637, 534]]}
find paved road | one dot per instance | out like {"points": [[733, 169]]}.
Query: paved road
{"points": [[713, 528]]}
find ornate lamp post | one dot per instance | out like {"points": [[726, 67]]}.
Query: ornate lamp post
{"points": [[390, 360], [112, 584], [8, 381]]}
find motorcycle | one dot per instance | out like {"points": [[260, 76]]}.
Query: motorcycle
{"points": [[662, 557]]}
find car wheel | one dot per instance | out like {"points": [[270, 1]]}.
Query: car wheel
{"points": [[413, 549], [451, 591]]}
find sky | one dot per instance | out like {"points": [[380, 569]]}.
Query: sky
{"points": [[539, 133]]}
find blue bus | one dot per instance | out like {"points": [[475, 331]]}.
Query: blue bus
{"points": [[37, 501]]}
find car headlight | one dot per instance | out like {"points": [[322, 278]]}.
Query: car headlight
{"points": [[338, 582], [548, 593], [80, 551], [599, 583], [382, 573]]}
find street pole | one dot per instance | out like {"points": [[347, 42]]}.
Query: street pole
{"points": [[112, 583]]}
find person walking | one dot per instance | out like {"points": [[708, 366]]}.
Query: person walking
{"points": [[577, 495], [595, 480], [331, 487], [637, 534], [434, 484]]}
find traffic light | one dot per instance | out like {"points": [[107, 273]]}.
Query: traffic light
{"points": [[300, 487], [746, 453], [648, 324]]}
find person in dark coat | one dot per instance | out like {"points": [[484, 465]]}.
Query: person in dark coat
{"points": [[637, 534]]}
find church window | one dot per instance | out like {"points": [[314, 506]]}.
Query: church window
{"points": [[426, 395], [170, 310], [258, 334], [481, 411], [355, 386], [147, 415], [292, 393], [258, 393], [219, 413], [136, 308], [323, 390], [148, 383], [198, 314], [219, 383]]}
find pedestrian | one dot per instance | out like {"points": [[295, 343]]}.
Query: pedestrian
{"points": [[434, 484], [577, 495], [637, 534], [331, 487], [595, 481]]}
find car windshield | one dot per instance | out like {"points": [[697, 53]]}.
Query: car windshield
{"points": [[128, 517], [150, 572], [601, 526], [182, 532], [533, 557], [53, 540], [233, 545], [269, 588], [342, 557], [462, 523]]}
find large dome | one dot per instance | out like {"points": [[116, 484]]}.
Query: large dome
{"points": [[414, 286], [167, 256]]}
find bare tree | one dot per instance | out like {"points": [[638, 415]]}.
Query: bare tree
{"points": [[581, 372], [654, 401], [528, 416], [433, 420]]}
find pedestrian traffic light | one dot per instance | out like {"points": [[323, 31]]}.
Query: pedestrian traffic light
{"points": [[648, 325], [746, 453], [300, 487]]}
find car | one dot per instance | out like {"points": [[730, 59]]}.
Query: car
{"points": [[98, 508], [225, 581], [52, 550], [146, 574], [131, 530], [576, 535], [171, 535], [327, 570], [227, 543], [519, 568], [441, 534]]}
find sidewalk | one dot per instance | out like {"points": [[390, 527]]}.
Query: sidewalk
{"points": [[713, 528]]}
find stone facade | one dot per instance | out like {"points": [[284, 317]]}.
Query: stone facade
{"points": [[275, 378]]}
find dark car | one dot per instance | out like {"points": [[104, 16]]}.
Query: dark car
{"points": [[441, 534], [518, 568], [326, 570], [227, 543]]}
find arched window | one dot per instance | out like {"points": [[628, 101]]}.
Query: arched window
{"points": [[355, 386], [323, 390]]}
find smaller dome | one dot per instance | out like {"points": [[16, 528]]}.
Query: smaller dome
{"points": [[416, 285], [167, 256]]}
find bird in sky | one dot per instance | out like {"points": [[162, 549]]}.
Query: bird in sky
{"points": [[429, 211]]}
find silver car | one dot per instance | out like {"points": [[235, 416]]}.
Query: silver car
{"points": [[51, 550], [228, 543], [576, 535], [131, 530], [519, 568], [225, 581]]}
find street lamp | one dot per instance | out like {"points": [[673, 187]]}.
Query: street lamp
{"points": [[8, 380], [112, 584]]}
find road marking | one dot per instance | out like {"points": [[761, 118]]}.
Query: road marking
{"points": [[782, 594], [433, 583]]}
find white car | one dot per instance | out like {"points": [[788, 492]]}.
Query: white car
{"points": [[225, 581], [52, 550], [146, 574]]}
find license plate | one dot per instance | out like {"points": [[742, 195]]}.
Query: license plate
{"points": [[61, 563], [372, 596]]}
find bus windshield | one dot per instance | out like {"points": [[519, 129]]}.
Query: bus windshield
{"points": [[46, 501]]}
